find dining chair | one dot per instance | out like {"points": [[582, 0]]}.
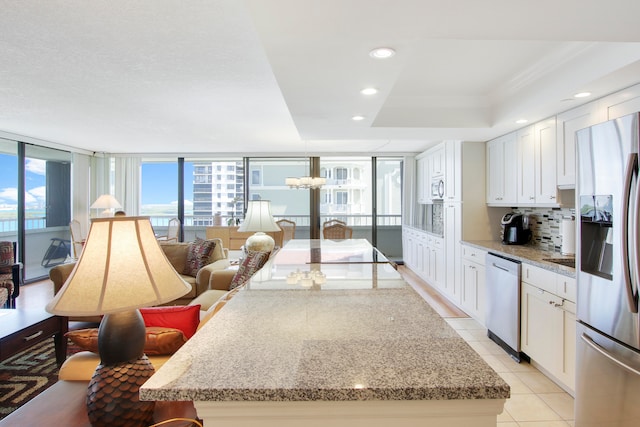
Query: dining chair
{"points": [[332, 221], [337, 232], [77, 238], [173, 231], [288, 230], [10, 273]]}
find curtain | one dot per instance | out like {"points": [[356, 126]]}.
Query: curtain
{"points": [[127, 183]]}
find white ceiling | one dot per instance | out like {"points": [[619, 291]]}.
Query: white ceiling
{"points": [[283, 76]]}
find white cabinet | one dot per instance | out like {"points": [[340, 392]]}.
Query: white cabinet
{"points": [[436, 161], [537, 164], [436, 271], [548, 322], [526, 166], [424, 255], [422, 180], [567, 125], [544, 135], [626, 101], [502, 182], [472, 292], [453, 171], [452, 212]]}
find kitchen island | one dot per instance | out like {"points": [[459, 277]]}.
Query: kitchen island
{"points": [[337, 344]]}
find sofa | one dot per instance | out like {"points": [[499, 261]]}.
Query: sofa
{"points": [[177, 254]]}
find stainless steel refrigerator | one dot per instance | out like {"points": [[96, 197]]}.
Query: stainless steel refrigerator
{"points": [[607, 265]]}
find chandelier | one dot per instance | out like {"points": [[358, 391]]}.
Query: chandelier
{"points": [[306, 279], [305, 182]]}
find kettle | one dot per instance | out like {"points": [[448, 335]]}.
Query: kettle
{"points": [[515, 229]]}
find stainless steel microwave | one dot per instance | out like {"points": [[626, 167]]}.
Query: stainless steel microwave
{"points": [[437, 188]]}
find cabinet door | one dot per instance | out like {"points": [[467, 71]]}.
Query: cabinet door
{"points": [[473, 289], [495, 171], [567, 125], [541, 327], [453, 171], [526, 166], [545, 162], [567, 368], [452, 247], [502, 184], [422, 178], [436, 163]]}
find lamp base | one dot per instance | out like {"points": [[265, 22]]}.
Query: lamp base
{"points": [[260, 242], [112, 396]]}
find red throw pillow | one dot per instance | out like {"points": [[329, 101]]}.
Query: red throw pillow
{"points": [[183, 317]]}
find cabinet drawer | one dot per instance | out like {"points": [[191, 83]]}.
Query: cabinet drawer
{"points": [[539, 277], [436, 242], [566, 287], [473, 254], [30, 336]]}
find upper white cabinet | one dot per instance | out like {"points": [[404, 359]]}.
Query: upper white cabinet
{"points": [[453, 171], [537, 164], [436, 160], [567, 125], [422, 180], [544, 136], [502, 159], [621, 103], [526, 166]]}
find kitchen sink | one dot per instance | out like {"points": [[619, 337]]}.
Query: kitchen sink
{"points": [[568, 262]]}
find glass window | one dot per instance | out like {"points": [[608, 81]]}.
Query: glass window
{"points": [[341, 174], [9, 190], [47, 209], [286, 203], [342, 197], [159, 191], [255, 177]]}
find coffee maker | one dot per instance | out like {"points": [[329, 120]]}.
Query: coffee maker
{"points": [[515, 229]]}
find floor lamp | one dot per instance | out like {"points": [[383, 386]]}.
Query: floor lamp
{"points": [[121, 268]]}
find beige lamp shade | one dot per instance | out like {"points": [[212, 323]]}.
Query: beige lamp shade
{"points": [[121, 268], [106, 201], [258, 217]]}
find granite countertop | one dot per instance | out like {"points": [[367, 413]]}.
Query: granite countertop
{"points": [[525, 253], [333, 345]]}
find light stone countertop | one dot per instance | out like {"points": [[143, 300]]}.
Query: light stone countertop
{"points": [[525, 253], [381, 343]]}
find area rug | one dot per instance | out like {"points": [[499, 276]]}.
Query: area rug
{"points": [[25, 375]]}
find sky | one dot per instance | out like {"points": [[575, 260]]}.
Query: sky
{"points": [[35, 182], [160, 183]]}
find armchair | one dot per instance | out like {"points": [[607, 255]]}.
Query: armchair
{"points": [[10, 275]]}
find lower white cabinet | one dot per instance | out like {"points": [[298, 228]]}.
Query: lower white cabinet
{"points": [[472, 292], [424, 254], [548, 331]]}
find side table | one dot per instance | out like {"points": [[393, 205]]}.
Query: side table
{"points": [[23, 328]]}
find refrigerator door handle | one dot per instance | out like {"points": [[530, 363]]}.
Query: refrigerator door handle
{"points": [[630, 171], [587, 339]]}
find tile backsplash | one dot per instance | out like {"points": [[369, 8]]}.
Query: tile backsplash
{"points": [[545, 226]]}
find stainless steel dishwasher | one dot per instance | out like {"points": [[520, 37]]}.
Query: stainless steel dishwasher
{"points": [[503, 302]]}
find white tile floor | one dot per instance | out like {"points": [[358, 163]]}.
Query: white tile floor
{"points": [[535, 400]]}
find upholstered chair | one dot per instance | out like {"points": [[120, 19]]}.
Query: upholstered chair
{"points": [[10, 274]]}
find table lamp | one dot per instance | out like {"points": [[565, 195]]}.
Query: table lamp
{"points": [[259, 219], [121, 269], [106, 202]]}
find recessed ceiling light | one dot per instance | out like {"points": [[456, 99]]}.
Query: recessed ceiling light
{"points": [[521, 121], [357, 118], [582, 94], [369, 91], [382, 53]]}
